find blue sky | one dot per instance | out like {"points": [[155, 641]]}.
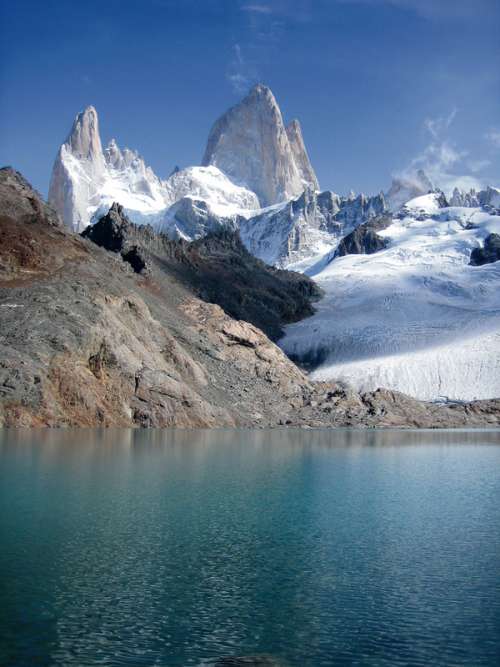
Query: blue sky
{"points": [[380, 86]]}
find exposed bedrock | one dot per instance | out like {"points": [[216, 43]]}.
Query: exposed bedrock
{"points": [[218, 268], [489, 253], [251, 144], [364, 240]]}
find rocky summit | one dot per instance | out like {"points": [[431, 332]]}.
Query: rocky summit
{"points": [[252, 146], [86, 180], [97, 337]]}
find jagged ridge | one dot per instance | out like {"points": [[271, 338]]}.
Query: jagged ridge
{"points": [[217, 267]]}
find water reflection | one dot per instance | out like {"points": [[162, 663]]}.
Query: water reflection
{"points": [[313, 547]]}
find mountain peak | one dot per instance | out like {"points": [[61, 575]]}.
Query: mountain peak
{"points": [[260, 90], [84, 140], [262, 97], [294, 126], [307, 174], [251, 145]]}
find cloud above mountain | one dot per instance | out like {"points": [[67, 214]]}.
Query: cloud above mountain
{"points": [[447, 165], [241, 73]]}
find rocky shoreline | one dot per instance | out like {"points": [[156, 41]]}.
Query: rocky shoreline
{"points": [[92, 337]]}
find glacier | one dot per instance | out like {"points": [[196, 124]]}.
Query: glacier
{"points": [[414, 317]]}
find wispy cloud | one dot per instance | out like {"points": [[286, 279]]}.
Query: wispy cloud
{"points": [[293, 10], [256, 46], [477, 166], [493, 136], [444, 163], [439, 126], [258, 9], [241, 74]]}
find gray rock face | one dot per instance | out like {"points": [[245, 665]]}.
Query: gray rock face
{"points": [[294, 134], [489, 254], [489, 198], [113, 232], [307, 226], [20, 202], [364, 240], [250, 144], [84, 140], [467, 199], [217, 267]]}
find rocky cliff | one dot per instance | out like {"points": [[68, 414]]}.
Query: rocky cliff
{"points": [[301, 158], [217, 268], [364, 240], [489, 253], [308, 226], [87, 339], [251, 145], [84, 175], [78, 170]]}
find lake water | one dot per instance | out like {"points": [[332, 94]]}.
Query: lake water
{"points": [[311, 547]]}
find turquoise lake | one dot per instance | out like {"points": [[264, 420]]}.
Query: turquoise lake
{"points": [[312, 547]]}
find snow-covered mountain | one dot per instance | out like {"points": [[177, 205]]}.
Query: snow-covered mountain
{"points": [[251, 145], [415, 316], [251, 159], [86, 180], [308, 227], [213, 186]]}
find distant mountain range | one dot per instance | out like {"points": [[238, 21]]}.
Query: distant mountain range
{"points": [[405, 306]]}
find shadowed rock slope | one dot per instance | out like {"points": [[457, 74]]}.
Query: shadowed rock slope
{"points": [[364, 240], [489, 253], [217, 267], [85, 340]]}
